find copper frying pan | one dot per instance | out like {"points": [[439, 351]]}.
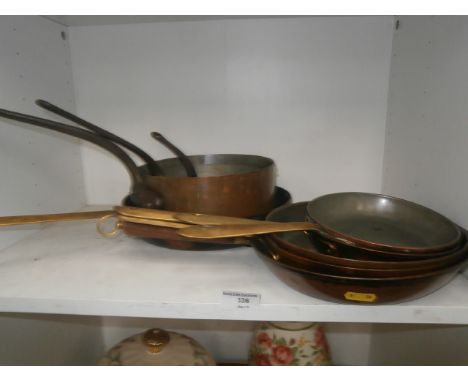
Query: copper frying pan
{"points": [[367, 221]]}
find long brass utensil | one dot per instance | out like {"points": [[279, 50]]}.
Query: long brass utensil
{"points": [[155, 222], [203, 219], [146, 213], [198, 226], [183, 217], [239, 230], [118, 220], [109, 223], [140, 215], [131, 214], [6, 221]]}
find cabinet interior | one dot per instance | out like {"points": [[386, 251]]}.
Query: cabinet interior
{"points": [[340, 103]]}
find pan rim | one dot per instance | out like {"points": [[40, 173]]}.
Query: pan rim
{"points": [[306, 252], [452, 268], [357, 242], [266, 163], [277, 249]]}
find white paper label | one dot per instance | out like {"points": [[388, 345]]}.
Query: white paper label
{"points": [[241, 299]]}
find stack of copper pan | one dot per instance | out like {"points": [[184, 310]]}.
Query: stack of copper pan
{"points": [[368, 249], [236, 185]]}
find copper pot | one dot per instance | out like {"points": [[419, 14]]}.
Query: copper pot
{"points": [[227, 184]]}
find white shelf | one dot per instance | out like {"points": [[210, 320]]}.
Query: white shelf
{"points": [[68, 268]]}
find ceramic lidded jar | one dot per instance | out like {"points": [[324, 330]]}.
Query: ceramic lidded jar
{"points": [[289, 343], [157, 347]]}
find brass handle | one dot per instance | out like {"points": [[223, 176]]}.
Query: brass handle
{"points": [[146, 213], [101, 223], [154, 222], [182, 217], [117, 226], [203, 219], [239, 230], [6, 221]]}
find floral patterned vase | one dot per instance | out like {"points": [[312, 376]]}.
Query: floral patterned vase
{"points": [[289, 343]]}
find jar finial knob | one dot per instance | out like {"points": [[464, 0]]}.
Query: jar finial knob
{"points": [[155, 340]]}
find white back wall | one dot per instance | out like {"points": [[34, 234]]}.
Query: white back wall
{"points": [[426, 139], [418, 345], [311, 93], [50, 340], [41, 170]]}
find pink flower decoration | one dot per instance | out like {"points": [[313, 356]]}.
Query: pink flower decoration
{"points": [[262, 360], [264, 340], [282, 355]]}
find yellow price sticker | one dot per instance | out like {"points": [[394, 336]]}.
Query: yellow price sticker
{"points": [[363, 297]]}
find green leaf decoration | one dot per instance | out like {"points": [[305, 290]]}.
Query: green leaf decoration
{"points": [[281, 341]]}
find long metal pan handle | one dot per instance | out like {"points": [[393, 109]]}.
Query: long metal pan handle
{"points": [[241, 230], [184, 217], [145, 196], [204, 219], [188, 166], [153, 167], [7, 221]]}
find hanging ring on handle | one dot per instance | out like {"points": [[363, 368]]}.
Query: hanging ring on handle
{"points": [[100, 226]]}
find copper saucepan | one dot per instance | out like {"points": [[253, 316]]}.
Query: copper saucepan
{"points": [[227, 184], [236, 185]]}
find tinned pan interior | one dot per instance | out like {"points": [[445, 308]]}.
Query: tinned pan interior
{"points": [[383, 222]]}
